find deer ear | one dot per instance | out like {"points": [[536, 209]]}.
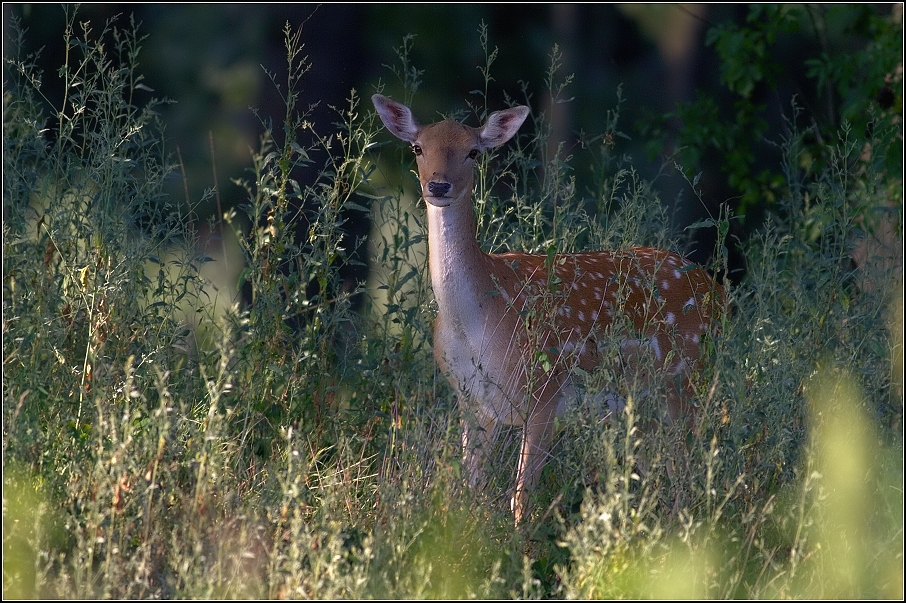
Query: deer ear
{"points": [[502, 125], [397, 117]]}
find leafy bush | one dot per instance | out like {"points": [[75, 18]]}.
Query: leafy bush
{"points": [[838, 76]]}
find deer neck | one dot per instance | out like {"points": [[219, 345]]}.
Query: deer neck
{"points": [[459, 268]]}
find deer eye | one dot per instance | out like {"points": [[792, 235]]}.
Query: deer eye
{"points": [[473, 153], [417, 149]]}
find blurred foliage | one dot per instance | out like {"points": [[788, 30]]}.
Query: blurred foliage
{"points": [[842, 62]]}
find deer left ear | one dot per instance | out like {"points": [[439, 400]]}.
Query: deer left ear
{"points": [[502, 125], [396, 117]]}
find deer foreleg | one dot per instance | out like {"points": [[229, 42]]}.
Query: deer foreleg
{"points": [[479, 436], [536, 443]]}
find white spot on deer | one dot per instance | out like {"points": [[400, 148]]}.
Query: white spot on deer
{"points": [[615, 404], [676, 273], [628, 345], [671, 319], [665, 285], [656, 346]]}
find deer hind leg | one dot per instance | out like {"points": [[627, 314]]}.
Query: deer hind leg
{"points": [[657, 365], [679, 370], [637, 360]]}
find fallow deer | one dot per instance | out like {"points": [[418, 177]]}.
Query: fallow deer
{"points": [[512, 327]]}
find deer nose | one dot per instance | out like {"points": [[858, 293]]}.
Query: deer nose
{"points": [[438, 189]]}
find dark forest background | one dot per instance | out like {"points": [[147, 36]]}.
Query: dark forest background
{"points": [[213, 61]]}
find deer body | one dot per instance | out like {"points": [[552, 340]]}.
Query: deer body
{"points": [[511, 327]]}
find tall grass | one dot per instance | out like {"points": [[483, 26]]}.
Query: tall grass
{"points": [[297, 449]]}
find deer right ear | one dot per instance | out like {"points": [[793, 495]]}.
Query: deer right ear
{"points": [[502, 125], [397, 117]]}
